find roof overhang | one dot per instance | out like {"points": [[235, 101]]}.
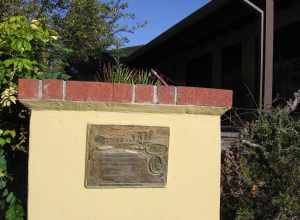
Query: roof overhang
{"points": [[202, 13]]}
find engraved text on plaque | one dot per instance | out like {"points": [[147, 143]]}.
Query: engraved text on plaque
{"points": [[127, 156]]}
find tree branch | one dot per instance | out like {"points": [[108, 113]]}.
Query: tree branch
{"points": [[250, 144]]}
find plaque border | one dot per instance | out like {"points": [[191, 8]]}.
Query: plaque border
{"points": [[124, 186]]}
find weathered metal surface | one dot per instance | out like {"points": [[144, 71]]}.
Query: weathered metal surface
{"points": [[126, 156]]}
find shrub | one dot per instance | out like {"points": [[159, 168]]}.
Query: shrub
{"points": [[22, 42], [261, 176]]}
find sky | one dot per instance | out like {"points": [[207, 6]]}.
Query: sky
{"points": [[160, 16]]}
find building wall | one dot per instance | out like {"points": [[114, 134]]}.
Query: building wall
{"points": [[57, 169], [244, 63]]}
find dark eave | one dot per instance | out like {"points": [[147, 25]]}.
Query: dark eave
{"points": [[204, 11]]}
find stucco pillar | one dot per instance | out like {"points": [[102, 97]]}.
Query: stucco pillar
{"points": [[120, 151]]}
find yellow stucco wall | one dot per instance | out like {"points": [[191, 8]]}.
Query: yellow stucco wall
{"points": [[57, 169]]}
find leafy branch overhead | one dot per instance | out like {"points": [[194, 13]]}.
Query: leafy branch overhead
{"points": [[21, 42], [85, 27], [91, 26]]}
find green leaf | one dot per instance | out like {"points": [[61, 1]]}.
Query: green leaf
{"points": [[5, 193], [15, 212], [2, 142], [11, 133], [10, 198], [2, 183], [2, 163], [8, 140]]}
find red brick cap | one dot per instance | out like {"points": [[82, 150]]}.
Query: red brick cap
{"points": [[48, 90], [52, 89]]}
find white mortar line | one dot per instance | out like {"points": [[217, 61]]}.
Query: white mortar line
{"points": [[133, 94], [175, 95], [40, 89], [155, 96], [64, 90]]}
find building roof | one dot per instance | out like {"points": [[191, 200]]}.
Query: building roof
{"points": [[202, 13], [207, 9]]}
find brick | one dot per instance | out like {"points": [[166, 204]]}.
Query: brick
{"points": [[28, 89], [204, 97], [165, 94], [143, 93], [89, 91], [52, 89], [122, 92]]}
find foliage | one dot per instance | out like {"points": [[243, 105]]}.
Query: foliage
{"points": [[53, 75], [90, 26], [21, 44], [8, 199], [38, 9], [231, 182], [120, 73], [265, 170], [86, 28]]}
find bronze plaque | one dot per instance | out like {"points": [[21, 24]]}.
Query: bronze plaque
{"points": [[127, 156]]}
